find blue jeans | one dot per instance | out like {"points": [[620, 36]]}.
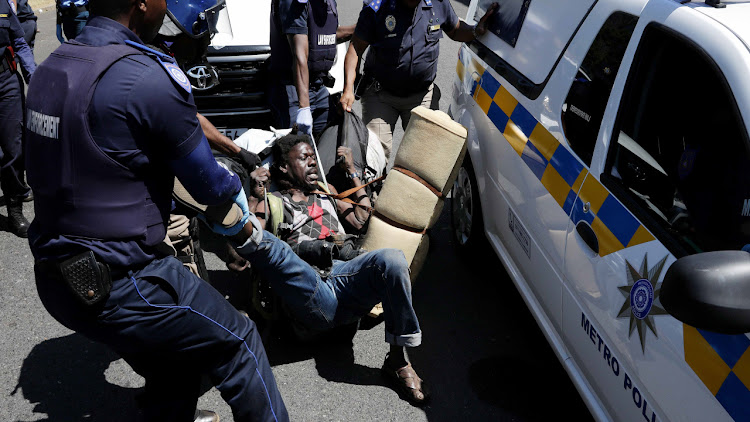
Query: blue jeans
{"points": [[348, 293], [171, 327]]}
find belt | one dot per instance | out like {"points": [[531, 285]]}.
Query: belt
{"points": [[403, 92], [52, 268]]}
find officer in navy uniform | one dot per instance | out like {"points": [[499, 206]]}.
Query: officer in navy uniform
{"points": [[28, 22], [71, 18], [304, 34], [102, 155], [403, 36], [12, 45]]}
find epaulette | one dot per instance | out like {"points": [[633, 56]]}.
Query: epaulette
{"points": [[374, 4], [167, 63]]}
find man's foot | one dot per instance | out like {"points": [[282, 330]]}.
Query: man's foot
{"points": [[205, 416], [408, 384]]}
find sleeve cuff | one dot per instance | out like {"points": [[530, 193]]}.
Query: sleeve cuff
{"points": [[253, 241], [295, 30]]}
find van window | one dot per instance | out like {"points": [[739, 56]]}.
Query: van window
{"points": [[584, 106], [679, 154], [507, 21], [527, 39]]}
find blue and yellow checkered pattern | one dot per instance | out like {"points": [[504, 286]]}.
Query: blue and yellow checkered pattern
{"points": [[722, 362], [561, 173]]}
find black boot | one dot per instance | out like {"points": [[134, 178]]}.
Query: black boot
{"points": [[17, 223]]}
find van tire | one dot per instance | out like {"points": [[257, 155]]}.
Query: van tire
{"points": [[467, 222]]}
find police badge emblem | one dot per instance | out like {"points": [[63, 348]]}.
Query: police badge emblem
{"points": [[390, 23], [642, 299]]}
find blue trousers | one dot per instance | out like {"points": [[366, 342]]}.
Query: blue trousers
{"points": [[11, 131], [172, 327], [285, 103], [348, 293]]}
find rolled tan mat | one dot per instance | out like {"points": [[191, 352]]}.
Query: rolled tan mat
{"points": [[407, 201], [431, 147], [383, 235], [454, 174], [227, 214], [420, 256]]}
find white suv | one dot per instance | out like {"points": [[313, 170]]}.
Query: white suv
{"points": [[607, 147], [240, 52]]}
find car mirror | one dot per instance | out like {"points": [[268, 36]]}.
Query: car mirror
{"points": [[710, 291]]}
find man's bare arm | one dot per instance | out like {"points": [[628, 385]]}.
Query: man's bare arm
{"points": [[344, 33], [301, 75], [356, 49], [217, 140]]}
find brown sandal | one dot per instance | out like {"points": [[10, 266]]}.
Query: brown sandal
{"points": [[407, 382]]}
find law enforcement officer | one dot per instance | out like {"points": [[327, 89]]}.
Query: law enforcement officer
{"points": [[304, 34], [403, 36], [102, 155], [12, 45], [28, 22], [71, 18]]}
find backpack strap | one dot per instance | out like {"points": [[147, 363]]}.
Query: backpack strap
{"points": [[275, 209]]}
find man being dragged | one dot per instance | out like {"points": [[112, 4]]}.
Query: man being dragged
{"points": [[352, 282]]}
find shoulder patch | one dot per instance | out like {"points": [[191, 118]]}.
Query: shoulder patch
{"points": [[177, 75]]}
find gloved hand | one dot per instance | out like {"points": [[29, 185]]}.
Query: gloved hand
{"points": [[304, 120], [241, 200], [319, 253], [59, 33], [250, 160], [347, 251]]}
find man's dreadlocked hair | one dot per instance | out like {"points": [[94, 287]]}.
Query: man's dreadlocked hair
{"points": [[281, 157]]}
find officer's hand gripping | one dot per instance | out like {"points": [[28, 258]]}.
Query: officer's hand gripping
{"points": [[347, 99], [304, 120], [241, 200], [481, 27], [250, 160]]}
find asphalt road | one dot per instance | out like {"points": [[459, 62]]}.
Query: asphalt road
{"points": [[483, 355]]}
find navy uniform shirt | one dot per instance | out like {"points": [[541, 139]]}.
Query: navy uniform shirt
{"points": [[288, 17], [11, 34], [138, 115], [404, 43]]}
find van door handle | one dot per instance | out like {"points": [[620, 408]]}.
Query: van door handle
{"points": [[587, 234]]}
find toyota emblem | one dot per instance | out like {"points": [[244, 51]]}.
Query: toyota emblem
{"points": [[203, 77]]}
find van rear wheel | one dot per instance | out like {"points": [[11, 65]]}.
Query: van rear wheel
{"points": [[466, 212]]}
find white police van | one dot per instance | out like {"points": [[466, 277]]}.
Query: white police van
{"points": [[608, 156]]}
